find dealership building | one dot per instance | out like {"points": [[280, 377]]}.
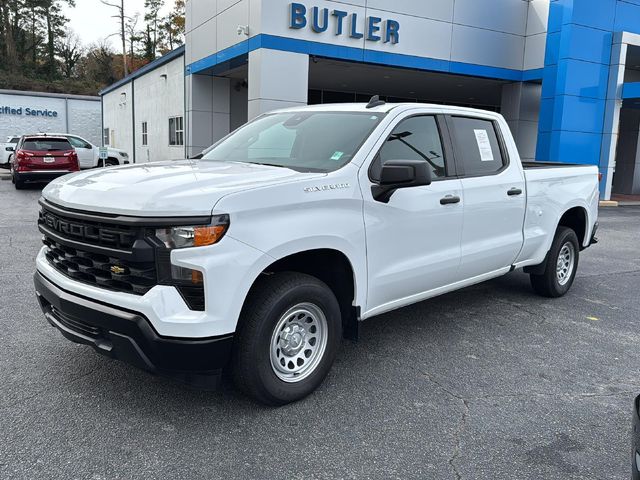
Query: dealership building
{"points": [[34, 112], [564, 73]]}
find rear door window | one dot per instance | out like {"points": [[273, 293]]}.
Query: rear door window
{"points": [[476, 146]]}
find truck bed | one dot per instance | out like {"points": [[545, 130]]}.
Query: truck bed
{"points": [[530, 165]]}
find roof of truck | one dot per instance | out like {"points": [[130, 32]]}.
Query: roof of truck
{"points": [[387, 107]]}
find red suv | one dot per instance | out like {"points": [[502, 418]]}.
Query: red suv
{"points": [[41, 158]]}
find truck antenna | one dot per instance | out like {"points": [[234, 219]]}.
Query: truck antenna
{"points": [[375, 102]]}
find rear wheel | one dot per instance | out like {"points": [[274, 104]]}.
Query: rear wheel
{"points": [[15, 178], [561, 265], [288, 338]]}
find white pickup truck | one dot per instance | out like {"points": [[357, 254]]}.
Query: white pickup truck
{"points": [[260, 256]]}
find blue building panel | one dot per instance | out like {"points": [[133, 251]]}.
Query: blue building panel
{"points": [[586, 43], [583, 79], [576, 77], [627, 17], [631, 90], [578, 114]]}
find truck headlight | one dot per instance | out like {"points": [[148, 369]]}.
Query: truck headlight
{"points": [[124, 155], [194, 236]]}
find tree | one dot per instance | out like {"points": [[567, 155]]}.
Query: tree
{"points": [[10, 53], [133, 36], [153, 35], [97, 65], [70, 51], [173, 25], [121, 19]]}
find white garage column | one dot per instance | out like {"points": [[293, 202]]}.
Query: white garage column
{"points": [[276, 80], [521, 109], [208, 111]]}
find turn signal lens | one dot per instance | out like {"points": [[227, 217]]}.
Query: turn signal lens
{"points": [[185, 275], [196, 236], [208, 235]]}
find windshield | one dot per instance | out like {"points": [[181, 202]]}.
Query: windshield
{"points": [[302, 141]]}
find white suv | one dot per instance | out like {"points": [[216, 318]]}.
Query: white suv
{"points": [[7, 150], [89, 154]]}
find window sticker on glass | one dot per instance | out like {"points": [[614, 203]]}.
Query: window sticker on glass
{"points": [[486, 154], [337, 155]]}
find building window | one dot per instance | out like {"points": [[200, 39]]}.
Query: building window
{"points": [[145, 138], [105, 136], [176, 131]]}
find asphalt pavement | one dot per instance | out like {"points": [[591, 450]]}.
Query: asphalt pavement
{"points": [[491, 382]]}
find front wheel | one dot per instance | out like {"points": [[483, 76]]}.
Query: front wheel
{"points": [[287, 339], [561, 265]]}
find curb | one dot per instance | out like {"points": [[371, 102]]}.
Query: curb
{"points": [[608, 203]]}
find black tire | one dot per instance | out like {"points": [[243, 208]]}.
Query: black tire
{"points": [[17, 182], [271, 297], [548, 284], [110, 162]]}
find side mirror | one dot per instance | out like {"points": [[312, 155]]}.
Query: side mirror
{"points": [[10, 149], [397, 174]]}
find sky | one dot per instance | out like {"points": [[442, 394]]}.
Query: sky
{"points": [[92, 21]]}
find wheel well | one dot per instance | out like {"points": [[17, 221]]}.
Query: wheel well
{"points": [[334, 269], [576, 219]]}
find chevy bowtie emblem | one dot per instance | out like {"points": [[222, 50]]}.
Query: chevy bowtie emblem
{"points": [[117, 269]]}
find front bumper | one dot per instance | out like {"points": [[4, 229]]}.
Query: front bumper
{"points": [[128, 336]]}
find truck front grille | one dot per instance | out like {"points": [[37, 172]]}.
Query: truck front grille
{"points": [[101, 270], [114, 252]]}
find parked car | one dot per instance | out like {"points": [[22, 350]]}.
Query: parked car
{"points": [[41, 158], [89, 154], [7, 150], [261, 255]]}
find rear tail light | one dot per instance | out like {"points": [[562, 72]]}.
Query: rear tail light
{"points": [[599, 177], [73, 156], [23, 157]]}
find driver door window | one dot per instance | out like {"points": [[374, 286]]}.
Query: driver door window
{"points": [[415, 138]]}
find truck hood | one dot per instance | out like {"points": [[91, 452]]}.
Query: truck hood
{"points": [[173, 188]]}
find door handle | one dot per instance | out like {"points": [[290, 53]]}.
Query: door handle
{"points": [[449, 199], [514, 191]]}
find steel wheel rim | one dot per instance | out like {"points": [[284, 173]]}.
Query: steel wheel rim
{"points": [[565, 263], [298, 342]]}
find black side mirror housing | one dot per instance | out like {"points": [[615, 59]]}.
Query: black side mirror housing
{"points": [[397, 174], [10, 149]]}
